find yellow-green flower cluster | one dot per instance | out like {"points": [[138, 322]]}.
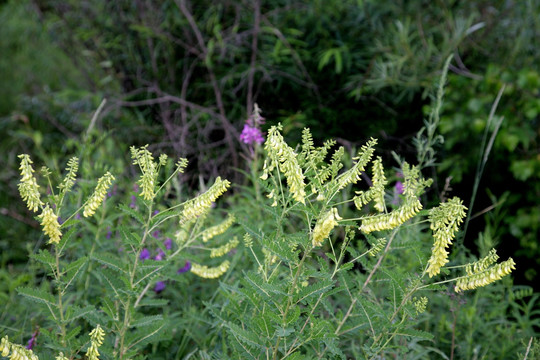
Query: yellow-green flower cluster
{"points": [[283, 155], [482, 264], [352, 175], [420, 304], [223, 249], [217, 229], [393, 219], [145, 160], [50, 224], [96, 340], [485, 277], [210, 272], [71, 168], [324, 225], [377, 247], [197, 206], [99, 194], [376, 192], [445, 220], [28, 187], [248, 240], [18, 352], [61, 357]]}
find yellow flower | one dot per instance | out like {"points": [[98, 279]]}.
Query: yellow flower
{"points": [[197, 206], [99, 194], [28, 187], [485, 277], [212, 272], [217, 229], [50, 224], [222, 250], [445, 220], [4, 346], [324, 226]]}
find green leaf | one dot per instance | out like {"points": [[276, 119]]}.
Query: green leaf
{"points": [[38, 296], [111, 261], [77, 312], [146, 321], [45, 257], [154, 302], [315, 289], [245, 336], [73, 270], [132, 213], [418, 334], [130, 238]]}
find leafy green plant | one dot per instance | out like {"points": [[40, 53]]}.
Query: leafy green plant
{"points": [[312, 295], [110, 286]]}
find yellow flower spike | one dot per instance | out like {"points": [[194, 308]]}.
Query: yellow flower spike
{"points": [[379, 181], [197, 206], [28, 187], [4, 346], [377, 247], [71, 169], [61, 357], [217, 229], [393, 219], [96, 340], [324, 226], [224, 249], [99, 194], [485, 277], [445, 220], [212, 272], [352, 176], [50, 224], [145, 160], [280, 153]]}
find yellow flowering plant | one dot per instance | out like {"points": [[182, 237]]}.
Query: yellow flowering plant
{"points": [[157, 245], [323, 274]]}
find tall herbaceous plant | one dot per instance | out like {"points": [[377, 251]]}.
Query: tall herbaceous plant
{"points": [[111, 288], [327, 280]]}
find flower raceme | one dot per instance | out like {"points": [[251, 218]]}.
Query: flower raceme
{"points": [[324, 226], [99, 194], [50, 224], [197, 206], [28, 187]]}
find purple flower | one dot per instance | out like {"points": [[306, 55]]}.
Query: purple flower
{"points": [[155, 234], [78, 216], [160, 255], [399, 187], [145, 254], [251, 135], [160, 286], [109, 232], [156, 212], [168, 243], [133, 203], [185, 268], [32, 341]]}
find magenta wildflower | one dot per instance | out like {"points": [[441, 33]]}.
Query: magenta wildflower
{"points": [[399, 187], [133, 203], [251, 135], [33, 340], [185, 268], [145, 254], [160, 255], [167, 243], [160, 286]]}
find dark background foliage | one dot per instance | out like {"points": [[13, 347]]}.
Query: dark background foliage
{"points": [[184, 75]]}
